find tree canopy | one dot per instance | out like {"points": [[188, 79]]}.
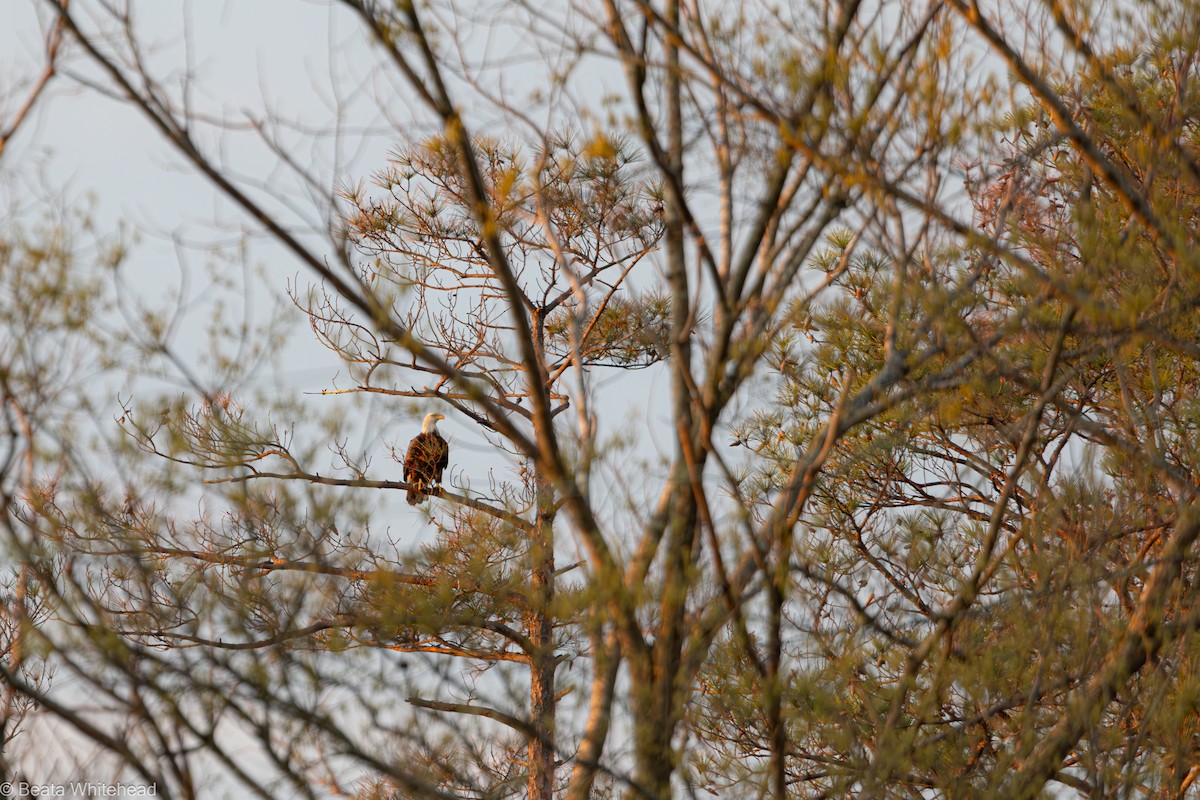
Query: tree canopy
{"points": [[909, 293]]}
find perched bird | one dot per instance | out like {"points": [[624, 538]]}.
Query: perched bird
{"points": [[426, 459]]}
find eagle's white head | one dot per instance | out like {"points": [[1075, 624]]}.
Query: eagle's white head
{"points": [[430, 423]]}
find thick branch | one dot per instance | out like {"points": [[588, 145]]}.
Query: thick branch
{"points": [[364, 483]]}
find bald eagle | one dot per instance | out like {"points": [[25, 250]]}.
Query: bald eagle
{"points": [[426, 458]]}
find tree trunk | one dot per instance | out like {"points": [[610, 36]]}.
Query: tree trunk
{"points": [[543, 662]]}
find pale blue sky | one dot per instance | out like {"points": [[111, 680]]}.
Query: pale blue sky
{"points": [[261, 61]]}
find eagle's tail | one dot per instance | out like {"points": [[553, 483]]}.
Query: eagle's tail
{"points": [[414, 497]]}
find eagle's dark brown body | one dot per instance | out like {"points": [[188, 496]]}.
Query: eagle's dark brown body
{"points": [[426, 459]]}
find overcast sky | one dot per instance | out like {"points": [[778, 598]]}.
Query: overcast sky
{"points": [[302, 64]]}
